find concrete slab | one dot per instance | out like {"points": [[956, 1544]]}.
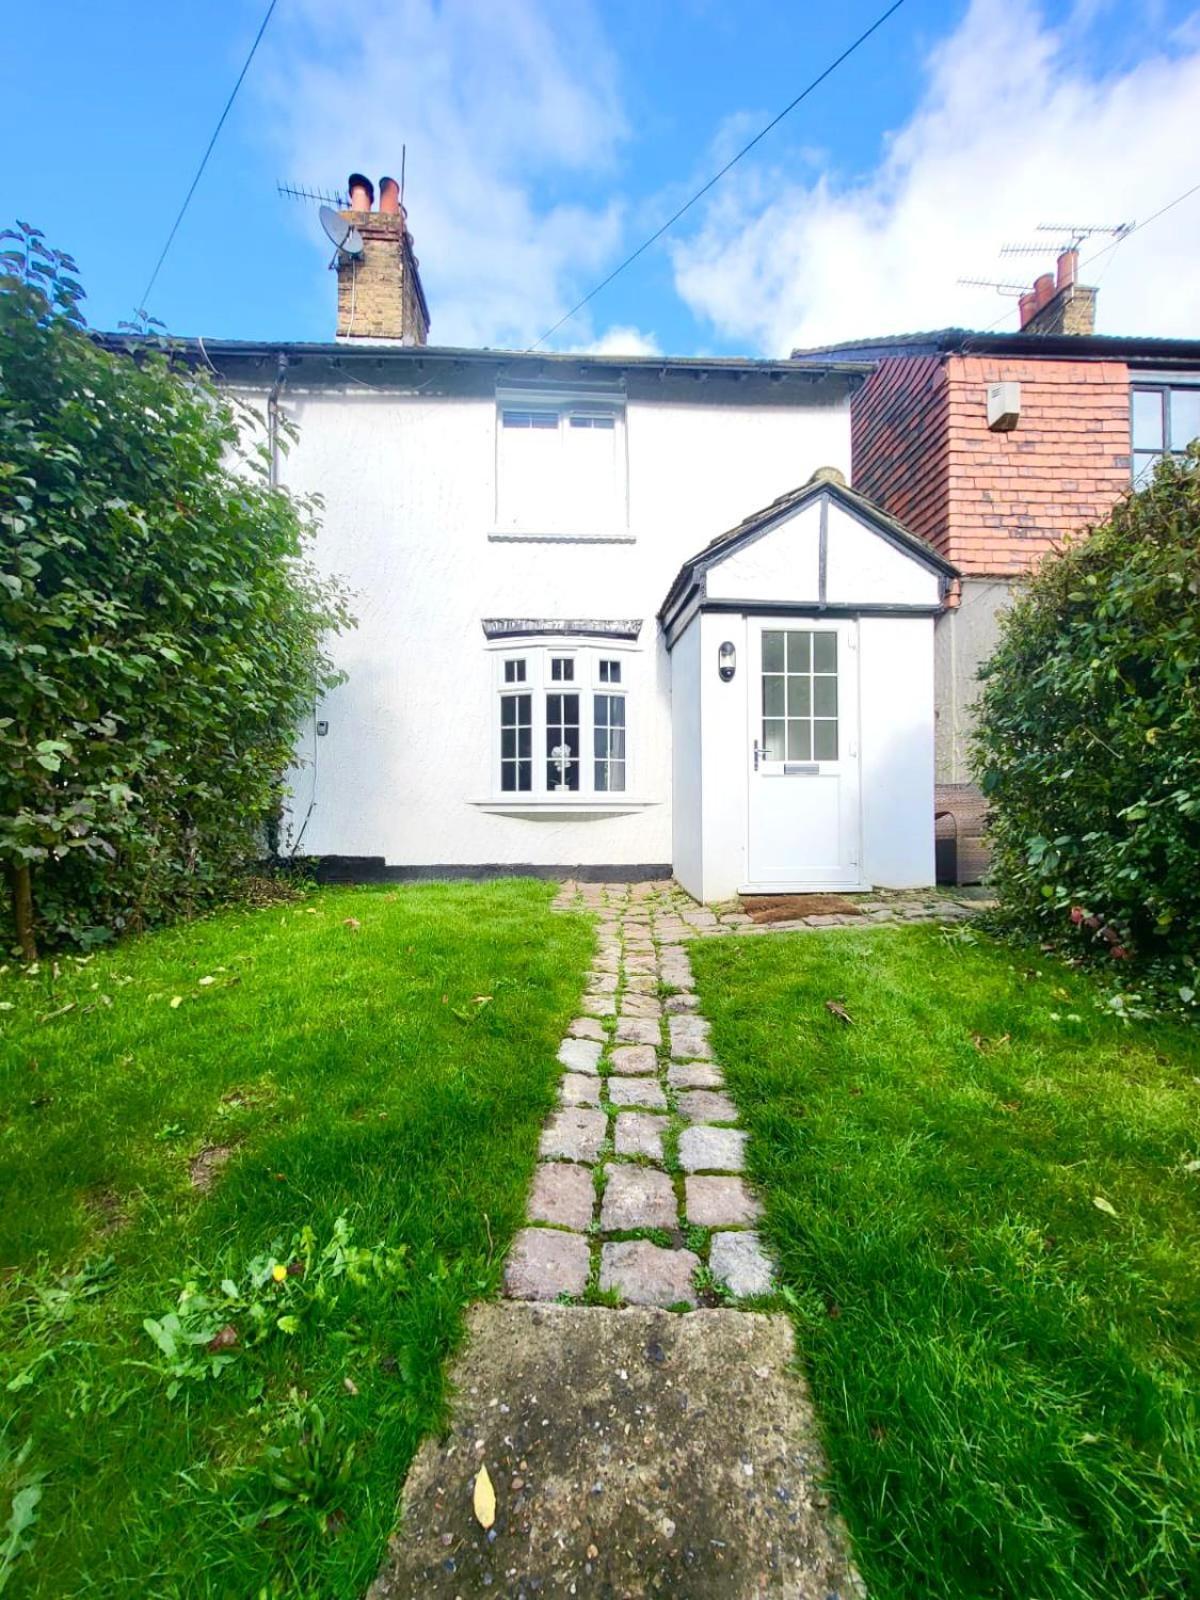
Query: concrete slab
{"points": [[634, 1454]]}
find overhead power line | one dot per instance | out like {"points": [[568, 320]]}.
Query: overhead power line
{"points": [[717, 176], [187, 199]]}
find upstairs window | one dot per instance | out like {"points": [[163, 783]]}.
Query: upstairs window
{"points": [[1164, 419], [560, 470]]}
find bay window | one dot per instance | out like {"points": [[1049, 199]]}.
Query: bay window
{"points": [[572, 708]]}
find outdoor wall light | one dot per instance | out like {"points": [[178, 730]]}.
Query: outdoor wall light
{"points": [[726, 661]]}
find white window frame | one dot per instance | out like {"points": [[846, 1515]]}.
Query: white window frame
{"points": [[571, 522], [587, 654]]}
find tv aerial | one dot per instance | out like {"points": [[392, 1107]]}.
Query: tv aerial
{"points": [[347, 240]]}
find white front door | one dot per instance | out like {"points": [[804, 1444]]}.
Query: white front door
{"points": [[804, 827]]}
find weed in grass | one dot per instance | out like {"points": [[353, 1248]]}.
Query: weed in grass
{"points": [[342, 1087]]}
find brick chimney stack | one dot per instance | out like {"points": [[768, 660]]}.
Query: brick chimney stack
{"points": [[1058, 303], [379, 292]]}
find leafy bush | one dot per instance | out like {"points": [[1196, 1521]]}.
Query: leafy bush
{"points": [[160, 627], [1088, 740]]}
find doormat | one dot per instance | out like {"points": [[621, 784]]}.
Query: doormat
{"points": [[791, 907]]}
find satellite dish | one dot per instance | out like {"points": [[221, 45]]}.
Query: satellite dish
{"points": [[346, 237]]}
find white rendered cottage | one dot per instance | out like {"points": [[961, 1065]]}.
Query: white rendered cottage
{"points": [[581, 649]]}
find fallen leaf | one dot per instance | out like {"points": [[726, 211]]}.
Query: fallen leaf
{"points": [[204, 982], [349, 1385], [837, 1009], [485, 1499], [176, 1000], [352, 923], [225, 1338], [1101, 1204]]}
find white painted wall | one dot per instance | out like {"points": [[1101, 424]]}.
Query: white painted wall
{"points": [[896, 709], [687, 809], [410, 501]]}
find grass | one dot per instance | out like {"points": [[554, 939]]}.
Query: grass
{"points": [[984, 1198], [385, 1058]]}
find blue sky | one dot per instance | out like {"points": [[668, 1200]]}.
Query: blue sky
{"points": [[545, 141]]}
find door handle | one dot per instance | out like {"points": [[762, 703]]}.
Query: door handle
{"points": [[758, 751]]}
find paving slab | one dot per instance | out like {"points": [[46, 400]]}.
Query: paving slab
{"points": [[704, 1149], [677, 1004], [601, 982], [563, 1194], [640, 1133], [641, 983], [719, 1202], [634, 1060], [646, 1274], [544, 1263], [599, 1005], [574, 1136], [638, 1197], [643, 1092], [681, 1460], [739, 1261]]}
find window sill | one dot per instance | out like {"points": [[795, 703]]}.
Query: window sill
{"points": [[537, 806], [560, 536]]}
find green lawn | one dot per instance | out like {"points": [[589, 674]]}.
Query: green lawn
{"points": [[382, 1057], [980, 1197]]}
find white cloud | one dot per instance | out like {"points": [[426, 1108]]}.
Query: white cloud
{"points": [[624, 341], [1013, 129], [502, 114]]}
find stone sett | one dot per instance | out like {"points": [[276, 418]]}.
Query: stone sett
{"points": [[641, 961], [580, 1055], [637, 1197], [689, 1038], [678, 1004], [577, 1089], [641, 1005], [574, 1136], [587, 1028], [711, 1202], [599, 1005], [695, 1075], [544, 1263], [602, 982], [640, 983], [637, 1092], [645, 1274], [739, 1262], [639, 1133], [638, 1030], [704, 1149], [562, 1194], [705, 1105], [634, 1060]]}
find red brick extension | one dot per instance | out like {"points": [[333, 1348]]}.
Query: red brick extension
{"points": [[992, 503]]}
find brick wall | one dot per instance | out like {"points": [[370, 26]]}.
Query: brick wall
{"points": [[378, 296], [993, 503]]}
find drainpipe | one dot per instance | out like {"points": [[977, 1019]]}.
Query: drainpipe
{"points": [[273, 420]]}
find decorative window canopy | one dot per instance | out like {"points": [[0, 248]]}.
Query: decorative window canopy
{"points": [[580, 627]]}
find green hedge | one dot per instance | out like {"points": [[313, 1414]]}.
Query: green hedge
{"points": [[1088, 740]]}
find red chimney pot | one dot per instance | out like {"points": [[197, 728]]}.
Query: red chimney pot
{"points": [[1043, 289], [1068, 268], [1028, 305], [389, 196], [362, 192]]}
